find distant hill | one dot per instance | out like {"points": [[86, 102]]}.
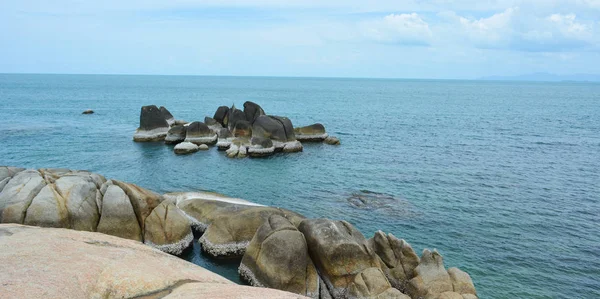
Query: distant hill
{"points": [[546, 77]]}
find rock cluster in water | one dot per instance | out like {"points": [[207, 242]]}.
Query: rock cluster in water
{"points": [[280, 249], [240, 133]]}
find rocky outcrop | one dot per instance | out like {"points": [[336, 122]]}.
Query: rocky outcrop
{"points": [[278, 244], [185, 148], [17, 195], [199, 133], [59, 263], [397, 259], [313, 133], [331, 140], [168, 229], [252, 111], [167, 115], [221, 115], [261, 147], [243, 129], [176, 134], [233, 116], [153, 126], [118, 217]]}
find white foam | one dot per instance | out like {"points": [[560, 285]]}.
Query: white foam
{"points": [[181, 197]]}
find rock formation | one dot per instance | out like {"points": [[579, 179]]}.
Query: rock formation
{"points": [[176, 134], [167, 115], [199, 133], [153, 126], [312, 133], [185, 148]]}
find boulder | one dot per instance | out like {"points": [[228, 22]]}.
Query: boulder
{"points": [[167, 115], [168, 229], [6, 173], [89, 111], [142, 200], [176, 134], [270, 128], [58, 263], [461, 282], [431, 278], [252, 111], [397, 259], [292, 146], [277, 257], [17, 195], [242, 129], [48, 209], [199, 133], [118, 217], [287, 126], [214, 125], [313, 133], [221, 115], [331, 140], [153, 126], [203, 147], [80, 193], [180, 122], [371, 283], [339, 252], [185, 148], [224, 133], [233, 116], [261, 147]]}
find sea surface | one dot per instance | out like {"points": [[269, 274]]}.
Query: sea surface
{"points": [[503, 178]]}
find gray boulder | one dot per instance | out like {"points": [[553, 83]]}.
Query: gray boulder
{"points": [[397, 259], [313, 133], [168, 229], [242, 128], [331, 140], [167, 115], [261, 147], [176, 134], [153, 126], [221, 115], [199, 133], [233, 116], [18, 194], [252, 111], [268, 127], [185, 148], [118, 217]]}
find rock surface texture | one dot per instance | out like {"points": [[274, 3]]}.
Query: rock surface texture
{"points": [[60, 263]]}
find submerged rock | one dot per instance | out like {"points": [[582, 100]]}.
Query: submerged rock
{"points": [[167, 115], [313, 133], [185, 148], [199, 133], [331, 140], [176, 134], [153, 126], [89, 111]]}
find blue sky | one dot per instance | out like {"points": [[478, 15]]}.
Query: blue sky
{"points": [[402, 39]]}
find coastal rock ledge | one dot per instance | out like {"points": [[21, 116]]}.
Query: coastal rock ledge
{"points": [[61, 263]]}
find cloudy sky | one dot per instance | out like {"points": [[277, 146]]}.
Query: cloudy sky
{"points": [[340, 38]]}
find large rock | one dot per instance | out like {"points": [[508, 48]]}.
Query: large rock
{"points": [[168, 229], [287, 126], [277, 257], [199, 133], [214, 125], [397, 258], [48, 209], [221, 115], [167, 115], [142, 200], [17, 195], [176, 134], [339, 251], [59, 263], [268, 127], [118, 217], [233, 116], [185, 148], [313, 133], [80, 193], [461, 282], [252, 111], [153, 126], [6, 173], [431, 278], [261, 147], [331, 140], [242, 129], [371, 283]]}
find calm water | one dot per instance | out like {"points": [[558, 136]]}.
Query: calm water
{"points": [[502, 178]]}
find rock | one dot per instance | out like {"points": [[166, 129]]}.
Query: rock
{"points": [[59, 263], [277, 257], [270, 128], [431, 278], [6, 173], [203, 147], [168, 229], [449, 295], [221, 115], [224, 133], [339, 252], [199, 133], [252, 111], [214, 125], [224, 144], [397, 258], [18, 194], [48, 209], [153, 126], [167, 115], [461, 282], [287, 126], [118, 217], [242, 129], [180, 122], [176, 134], [331, 140], [371, 283], [233, 116], [292, 147], [80, 193], [313, 133], [185, 148], [142, 200], [261, 147], [89, 111]]}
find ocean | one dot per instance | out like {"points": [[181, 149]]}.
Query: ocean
{"points": [[503, 178]]}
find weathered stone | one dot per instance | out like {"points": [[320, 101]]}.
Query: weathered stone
{"points": [[461, 282], [287, 126], [118, 217], [203, 147], [242, 129], [313, 133], [270, 128], [153, 126], [48, 209], [176, 134], [185, 148], [142, 200], [6, 173], [199, 133], [58, 263], [89, 111], [252, 111], [233, 116], [277, 257], [339, 251], [397, 258], [17, 195], [371, 283], [79, 193], [261, 147], [167, 115], [331, 140], [431, 278], [168, 229], [221, 115]]}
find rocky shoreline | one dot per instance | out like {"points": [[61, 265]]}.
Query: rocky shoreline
{"points": [[280, 249], [240, 133]]}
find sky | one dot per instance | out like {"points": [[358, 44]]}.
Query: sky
{"points": [[440, 39]]}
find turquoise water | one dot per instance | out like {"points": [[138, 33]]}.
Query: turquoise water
{"points": [[502, 177]]}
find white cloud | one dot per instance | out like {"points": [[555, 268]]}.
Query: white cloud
{"points": [[405, 29]]}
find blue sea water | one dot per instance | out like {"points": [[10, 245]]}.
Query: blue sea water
{"points": [[503, 178]]}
